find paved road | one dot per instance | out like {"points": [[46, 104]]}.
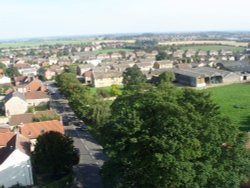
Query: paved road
{"points": [[91, 153]]}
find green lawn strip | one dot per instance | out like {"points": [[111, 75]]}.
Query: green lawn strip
{"points": [[42, 107], [213, 47], [234, 101]]}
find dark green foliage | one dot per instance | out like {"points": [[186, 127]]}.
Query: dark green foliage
{"points": [[161, 56], [169, 137], [12, 72], [2, 66], [78, 95], [104, 93], [167, 76], [133, 76], [54, 154]]}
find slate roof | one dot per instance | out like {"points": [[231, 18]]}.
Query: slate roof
{"points": [[14, 94], [235, 66], [201, 71], [109, 74]]}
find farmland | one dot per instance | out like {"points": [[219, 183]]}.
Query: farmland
{"points": [[39, 43], [208, 42], [234, 101], [212, 47]]}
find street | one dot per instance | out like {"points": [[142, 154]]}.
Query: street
{"points": [[91, 153]]}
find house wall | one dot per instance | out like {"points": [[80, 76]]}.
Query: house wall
{"points": [[37, 102], [15, 106], [16, 169], [231, 78], [5, 80], [107, 82]]}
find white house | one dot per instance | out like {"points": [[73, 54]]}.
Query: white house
{"points": [[15, 104], [15, 164], [5, 80]]}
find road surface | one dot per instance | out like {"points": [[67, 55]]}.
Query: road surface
{"points": [[91, 153]]}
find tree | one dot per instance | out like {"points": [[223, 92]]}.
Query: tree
{"points": [[133, 76], [54, 154], [115, 90], [167, 76], [12, 72], [161, 56], [169, 137], [2, 66]]}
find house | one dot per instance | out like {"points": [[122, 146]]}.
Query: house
{"points": [[116, 56], [53, 60], [32, 71], [35, 129], [140, 54], [202, 76], [19, 80], [164, 64], [49, 74], [15, 103], [15, 162], [102, 56], [145, 65], [240, 67], [190, 53], [4, 80], [80, 69], [87, 77], [5, 137], [32, 84], [104, 79], [36, 98], [5, 61], [15, 120], [94, 62], [178, 54], [202, 53], [121, 67], [213, 53]]}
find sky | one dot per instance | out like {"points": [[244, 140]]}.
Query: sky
{"points": [[44, 18]]}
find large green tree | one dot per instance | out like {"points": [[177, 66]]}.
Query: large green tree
{"points": [[12, 72], [54, 154], [133, 76], [169, 137]]}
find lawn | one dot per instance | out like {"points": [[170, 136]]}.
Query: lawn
{"points": [[213, 47], [234, 101]]}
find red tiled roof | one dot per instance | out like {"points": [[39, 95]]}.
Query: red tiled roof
{"points": [[36, 95], [5, 137], [33, 130], [35, 85]]}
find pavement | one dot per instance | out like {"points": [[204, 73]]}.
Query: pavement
{"points": [[91, 153]]}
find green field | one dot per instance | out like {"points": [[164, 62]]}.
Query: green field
{"points": [[234, 101], [47, 42], [212, 47], [112, 50]]}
